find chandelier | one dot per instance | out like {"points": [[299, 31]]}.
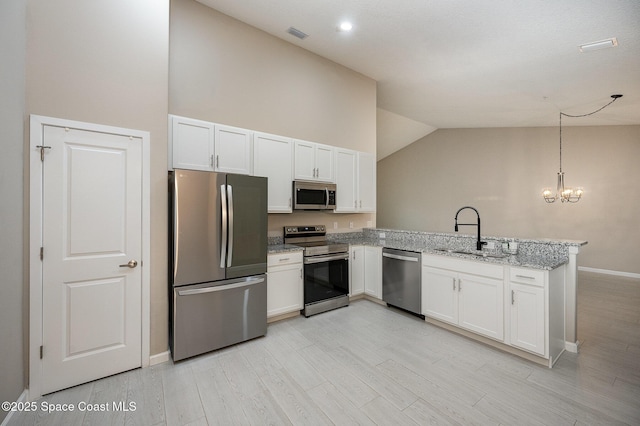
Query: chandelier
{"points": [[563, 193]]}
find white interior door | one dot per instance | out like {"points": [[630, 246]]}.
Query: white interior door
{"points": [[92, 253]]}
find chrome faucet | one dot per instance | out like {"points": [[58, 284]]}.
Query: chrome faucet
{"points": [[479, 243]]}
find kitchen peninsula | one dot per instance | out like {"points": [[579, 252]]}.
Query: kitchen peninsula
{"points": [[522, 302]]}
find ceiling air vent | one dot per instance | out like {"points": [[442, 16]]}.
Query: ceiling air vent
{"points": [[297, 33]]}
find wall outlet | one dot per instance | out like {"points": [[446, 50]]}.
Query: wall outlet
{"points": [[350, 225], [381, 235], [491, 245], [335, 225]]}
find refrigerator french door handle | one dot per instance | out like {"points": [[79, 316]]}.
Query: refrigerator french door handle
{"points": [[223, 239], [230, 197], [176, 230]]}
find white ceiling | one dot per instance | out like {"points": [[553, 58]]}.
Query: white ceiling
{"points": [[466, 63]]}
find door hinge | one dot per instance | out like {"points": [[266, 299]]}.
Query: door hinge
{"points": [[41, 351], [41, 253], [42, 148]]}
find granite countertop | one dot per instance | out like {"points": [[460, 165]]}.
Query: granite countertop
{"points": [[282, 248], [521, 260], [544, 254]]}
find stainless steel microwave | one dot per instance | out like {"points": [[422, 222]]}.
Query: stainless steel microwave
{"points": [[314, 195]]}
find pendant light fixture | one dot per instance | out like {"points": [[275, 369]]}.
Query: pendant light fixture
{"points": [[563, 193]]}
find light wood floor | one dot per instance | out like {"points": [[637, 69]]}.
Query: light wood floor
{"points": [[367, 364]]}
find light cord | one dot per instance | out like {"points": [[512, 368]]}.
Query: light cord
{"points": [[615, 98]]}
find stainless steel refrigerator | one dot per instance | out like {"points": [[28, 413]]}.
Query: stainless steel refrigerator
{"points": [[217, 260]]}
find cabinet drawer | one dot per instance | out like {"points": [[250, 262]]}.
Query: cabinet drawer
{"points": [[284, 258], [527, 276]]}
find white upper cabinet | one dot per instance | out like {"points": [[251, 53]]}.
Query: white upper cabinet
{"points": [[366, 182], [233, 150], [356, 181], [313, 161], [201, 145], [346, 180], [273, 158], [191, 145]]}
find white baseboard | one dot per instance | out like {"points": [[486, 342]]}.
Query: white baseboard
{"points": [[159, 358], [571, 347], [24, 397], [609, 272]]}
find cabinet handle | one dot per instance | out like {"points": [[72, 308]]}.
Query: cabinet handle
{"points": [[454, 284], [217, 161], [459, 284], [289, 201], [318, 172], [300, 273], [360, 203], [284, 259], [525, 276], [211, 160], [513, 297]]}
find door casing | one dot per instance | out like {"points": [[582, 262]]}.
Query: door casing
{"points": [[36, 213]]}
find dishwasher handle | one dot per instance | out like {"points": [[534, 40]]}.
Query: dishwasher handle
{"points": [[398, 257]]}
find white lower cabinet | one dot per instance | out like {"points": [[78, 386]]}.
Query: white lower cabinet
{"points": [[527, 317], [356, 270], [365, 267], [284, 283], [471, 295], [472, 299], [537, 311]]}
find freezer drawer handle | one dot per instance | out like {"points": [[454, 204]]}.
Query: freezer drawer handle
{"points": [[253, 281], [395, 256]]}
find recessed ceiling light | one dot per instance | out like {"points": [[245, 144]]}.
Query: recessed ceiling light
{"points": [[346, 26], [597, 45]]}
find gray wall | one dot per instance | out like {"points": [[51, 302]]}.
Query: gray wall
{"points": [[12, 312], [502, 171], [225, 71], [106, 62]]}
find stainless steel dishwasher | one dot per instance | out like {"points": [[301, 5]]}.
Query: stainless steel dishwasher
{"points": [[401, 280]]}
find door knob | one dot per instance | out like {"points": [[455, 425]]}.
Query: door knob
{"points": [[130, 264]]}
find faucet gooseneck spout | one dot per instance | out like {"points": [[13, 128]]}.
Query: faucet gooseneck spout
{"points": [[479, 243]]}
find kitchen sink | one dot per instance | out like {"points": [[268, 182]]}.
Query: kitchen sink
{"points": [[473, 253]]}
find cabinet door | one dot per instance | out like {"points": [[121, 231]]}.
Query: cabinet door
{"points": [[191, 144], [373, 271], [357, 271], [273, 158], [527, 317], [440, 294], [481, 308], [346, 180], [305, 160], [324, 163], [284, 289], [233, 150], [366, 182]]}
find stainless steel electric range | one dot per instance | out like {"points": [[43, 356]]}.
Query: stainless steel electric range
{"points": [[326, 268]]}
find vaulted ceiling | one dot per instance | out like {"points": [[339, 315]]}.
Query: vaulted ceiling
{"points": [[465, 63]]}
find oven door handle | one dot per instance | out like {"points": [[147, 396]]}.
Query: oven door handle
{"points": [[325, 258]]}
